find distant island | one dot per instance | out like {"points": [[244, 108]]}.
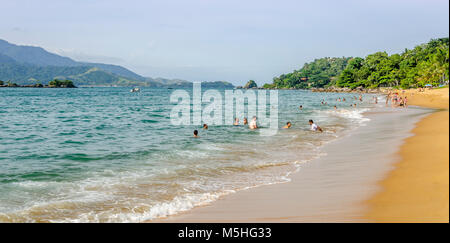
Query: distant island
{"points": [[426, 64], [52, 84], [29, 65]]}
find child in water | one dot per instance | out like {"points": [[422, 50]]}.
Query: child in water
{"points": [[288, 125]]}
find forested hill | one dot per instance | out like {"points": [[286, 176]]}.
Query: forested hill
{"points": [[27, 65], [426, 63], [318, 73]]}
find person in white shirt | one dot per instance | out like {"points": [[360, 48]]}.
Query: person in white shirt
{"points": [[253, 124], [314, 127]]}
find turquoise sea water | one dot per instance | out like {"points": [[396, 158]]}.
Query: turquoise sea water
{"points": [[108, 155]]}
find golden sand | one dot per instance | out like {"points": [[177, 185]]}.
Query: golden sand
{"points": [[417, 190]]}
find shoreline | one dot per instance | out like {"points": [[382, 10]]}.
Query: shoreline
{"points": [[332, 188], [417, 190]]}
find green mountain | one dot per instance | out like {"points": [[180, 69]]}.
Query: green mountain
{"points": [[318, 73], [424, 64], [29, 65], [34, 55]]}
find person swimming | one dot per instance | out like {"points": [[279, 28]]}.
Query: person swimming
{"points": [[300, 107], [236, 122], [195, 134], [314, 127], [253, 124], [245, 121], [288, 125], [205, 126]]}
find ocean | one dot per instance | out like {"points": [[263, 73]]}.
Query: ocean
{"points": [[108, 155]]}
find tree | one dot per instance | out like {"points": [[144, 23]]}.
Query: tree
{"points": [[61, 84]]}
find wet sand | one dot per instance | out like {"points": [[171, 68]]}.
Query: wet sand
{"points": [[332, 188], [417, 190]]}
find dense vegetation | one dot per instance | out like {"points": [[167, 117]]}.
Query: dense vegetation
{"points": [[425, 64], [318, 73], [61, 84]]}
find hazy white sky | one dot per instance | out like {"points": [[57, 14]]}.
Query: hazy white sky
{"points": [[232, 40]]}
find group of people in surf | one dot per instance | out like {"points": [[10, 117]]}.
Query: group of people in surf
{"points": [[360, 98], [252, 125], [396, 100]]}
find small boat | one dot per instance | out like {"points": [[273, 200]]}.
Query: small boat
{"points": [[134, 90]]}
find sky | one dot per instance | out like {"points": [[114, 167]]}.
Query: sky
{"points": [[227, 40]]}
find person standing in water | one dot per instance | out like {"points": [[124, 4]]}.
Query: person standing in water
{"points": [[314, 127], [205, 126], [245, 121], [236, 122], [195, 134], [253, 124]]}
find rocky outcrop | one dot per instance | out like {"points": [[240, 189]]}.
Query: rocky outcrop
{"points": [[250, 85]]}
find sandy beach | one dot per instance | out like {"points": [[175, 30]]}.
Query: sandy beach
{"points": [[396, 177], [417, 190]]}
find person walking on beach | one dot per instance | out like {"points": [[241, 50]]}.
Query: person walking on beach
{"points": [[314, 127], [400, 102], [388, 97], [394, 100]]}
